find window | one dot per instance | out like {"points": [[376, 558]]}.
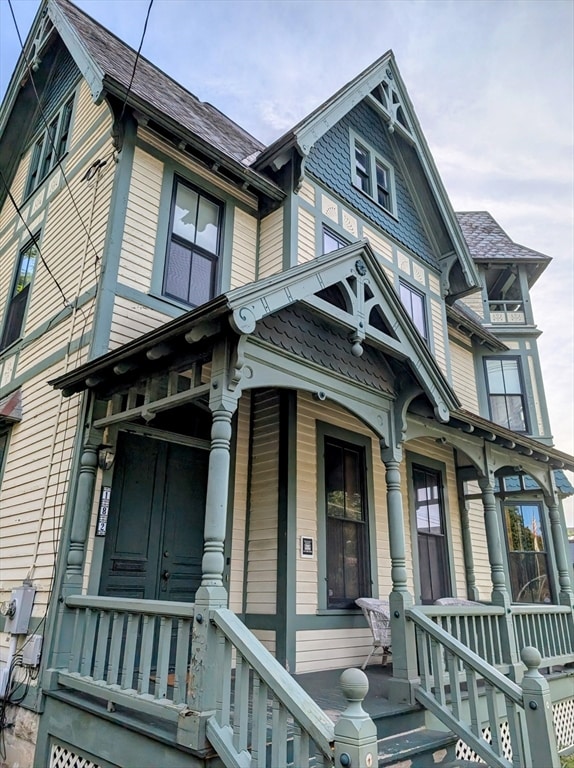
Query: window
{"points": [[50, 147], [431, 534], [414, 303], [527, 558], [193, 248], [16, 306], [372, 175], [505, 393], [348, 571], [331, 241]]}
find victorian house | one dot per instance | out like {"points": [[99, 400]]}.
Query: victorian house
{"points": [[241, 387]]}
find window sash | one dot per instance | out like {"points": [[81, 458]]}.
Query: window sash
{"points": [[505, 393], [527, 553], [16, 308], [50, 147], [372, 174], [415, 304]]}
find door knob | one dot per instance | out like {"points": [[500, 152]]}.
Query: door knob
{"points": [[165, 575]]}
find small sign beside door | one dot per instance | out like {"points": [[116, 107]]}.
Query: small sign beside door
{"points": [[306, 546], [102, 523]]}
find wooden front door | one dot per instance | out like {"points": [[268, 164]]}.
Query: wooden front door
{"points": [[431, 535], [154, 540]]}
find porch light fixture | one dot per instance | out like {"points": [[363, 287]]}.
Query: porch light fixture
{"points": [[106, 456]]}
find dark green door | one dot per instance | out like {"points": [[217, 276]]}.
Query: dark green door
{"points": [[154, 540]]}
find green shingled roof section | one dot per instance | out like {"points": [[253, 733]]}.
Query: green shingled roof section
{"points": [[487, 241]]}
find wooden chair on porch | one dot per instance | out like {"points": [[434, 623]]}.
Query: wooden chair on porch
{"points": [[379, 619]]}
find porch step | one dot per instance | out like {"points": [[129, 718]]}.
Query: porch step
{"points": [[419, 748]]}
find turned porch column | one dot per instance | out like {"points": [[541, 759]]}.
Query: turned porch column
{"points": [[559, 539], [405, 670]]}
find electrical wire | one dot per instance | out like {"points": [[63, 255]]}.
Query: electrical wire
{"points": [[136, 60], [52, 139], [33, 237]]}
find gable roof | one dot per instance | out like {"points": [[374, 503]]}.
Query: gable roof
{"points": [[107, 64], [382, 87]]}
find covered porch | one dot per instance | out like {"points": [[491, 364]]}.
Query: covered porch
{"points": [[229, 384]]}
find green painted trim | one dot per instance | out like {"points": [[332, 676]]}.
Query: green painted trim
{"points": [[228, 543], [249, 394], [286, 529], [351, 619], [266, 621], [439, 466], [46, 363], [290, 230], [323, 430], [113, 246]]}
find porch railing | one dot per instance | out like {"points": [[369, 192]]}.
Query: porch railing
{"points": [[258, 699], [509, 725], [549, 628], [131, 652]]}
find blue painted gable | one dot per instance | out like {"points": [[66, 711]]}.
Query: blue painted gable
{"points": [[329, 161]]}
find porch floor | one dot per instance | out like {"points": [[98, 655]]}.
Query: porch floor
{"points": [[324, 688]]}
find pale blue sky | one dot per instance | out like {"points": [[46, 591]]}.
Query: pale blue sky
{"points": [[491, 81]]}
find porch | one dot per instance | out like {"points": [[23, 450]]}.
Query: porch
{"points": [[139, 666]]}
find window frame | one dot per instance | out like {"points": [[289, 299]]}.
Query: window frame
{"points": [[324, 432], [422, 295], [47, 153], [506, 502], [328, 232], [15, 296], [523, 394], [213, 257], [367, 180]]}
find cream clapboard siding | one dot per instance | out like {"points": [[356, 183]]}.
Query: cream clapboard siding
{"points": [[140, 231], [240, 505], [271, 244], [307, 192], [474, 301], [306, 237], [261, 577], [244, 255], [267, 638], [463, 378], [444, 454], [380, 244], [439, 330], [34, 484], [131, 319], [345, 647]]}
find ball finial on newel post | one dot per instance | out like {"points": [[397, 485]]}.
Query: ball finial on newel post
{"points": [[355, 732]]}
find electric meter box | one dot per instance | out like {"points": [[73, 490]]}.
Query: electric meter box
{"points": [[24, 599]]}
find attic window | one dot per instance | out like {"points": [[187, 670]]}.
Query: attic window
{"points": [[372, 174], [50, 147]]}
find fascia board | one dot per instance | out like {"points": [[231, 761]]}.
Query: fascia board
{"points": [[92, 73]]}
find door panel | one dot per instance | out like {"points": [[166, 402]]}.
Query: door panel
{"points": [[154, 541]]}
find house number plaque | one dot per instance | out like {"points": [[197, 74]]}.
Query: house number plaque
{"points": [[103, 510], [306, 546]]}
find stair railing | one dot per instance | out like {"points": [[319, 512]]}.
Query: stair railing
{"points": [[517, 717]]}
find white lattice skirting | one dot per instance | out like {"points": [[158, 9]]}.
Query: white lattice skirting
{"points": [[563, 715], [62, 757]]}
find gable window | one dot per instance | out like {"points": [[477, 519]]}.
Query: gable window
{"points": [[415, 304], [332, 241], [193, 249], [18, 301], [505, 392], [348, 571], [372, 175], [50, 147], [527, 556]]}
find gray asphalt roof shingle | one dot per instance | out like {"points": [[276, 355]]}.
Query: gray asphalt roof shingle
{"points": [[116, 60], [488, 241]]}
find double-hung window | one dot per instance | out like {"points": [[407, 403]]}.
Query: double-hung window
{"points": [[527, 556], [348, 563], [18, 301], [415, 304], [193, 248], [505, 392], [50, 147], [372, 174], [332, 241]]}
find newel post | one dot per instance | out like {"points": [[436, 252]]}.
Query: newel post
{"points": [[355, 732], [538, 713]]}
